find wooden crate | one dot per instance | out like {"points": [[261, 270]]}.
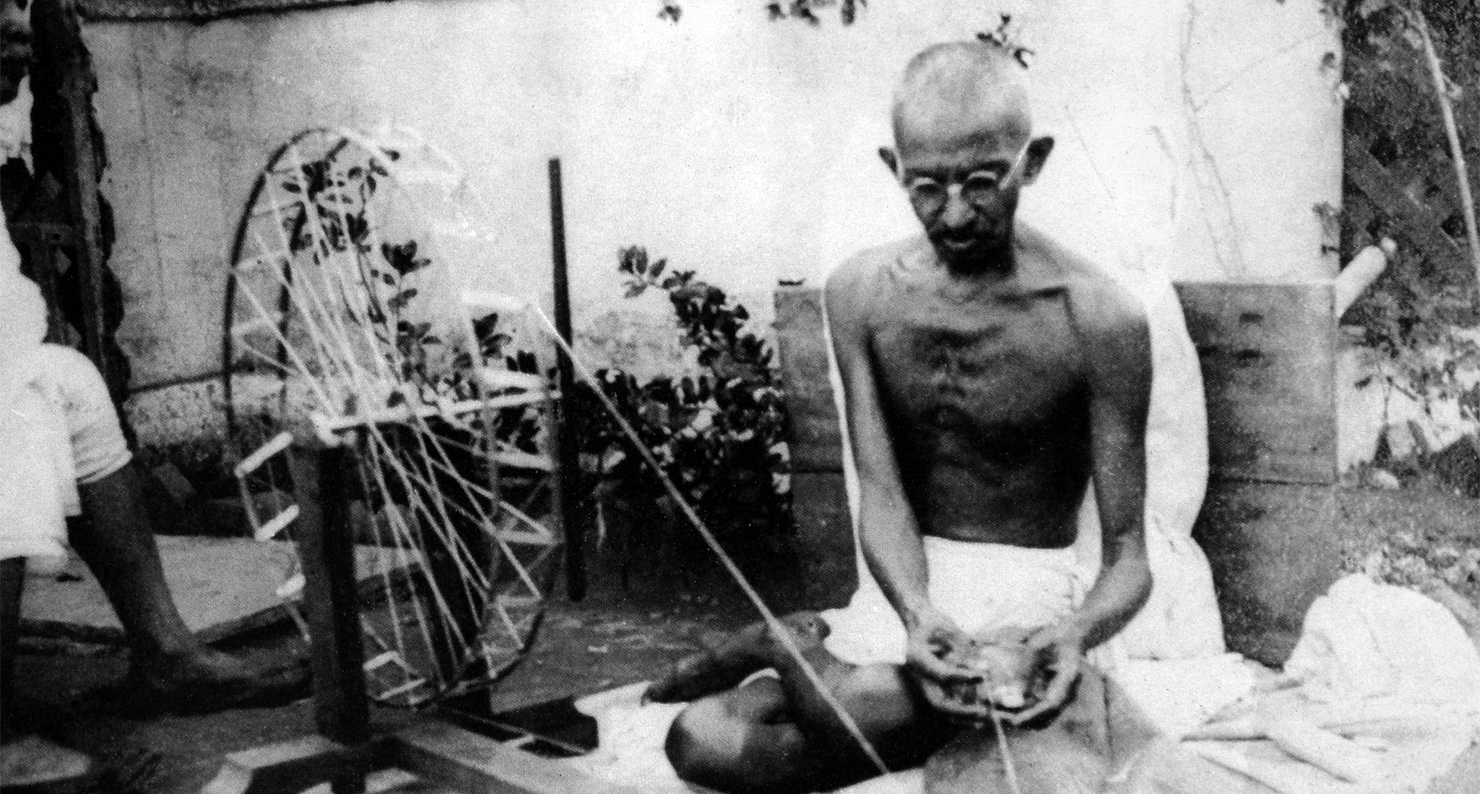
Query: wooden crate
{"points": [[1268, 523], [813, 434]]}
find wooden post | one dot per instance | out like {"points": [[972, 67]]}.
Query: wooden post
{"points": [[63, 80], [41, 245], [568, 479], [1269, 522], [819, 504], [331, 600]]}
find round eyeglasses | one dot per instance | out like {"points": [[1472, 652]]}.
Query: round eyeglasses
{"points": [[977, 189]]}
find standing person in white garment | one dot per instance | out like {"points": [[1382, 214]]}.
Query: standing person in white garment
{"points": [[63, 454]]}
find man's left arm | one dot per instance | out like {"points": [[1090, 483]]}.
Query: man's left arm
{"points": [[1117, 342]]}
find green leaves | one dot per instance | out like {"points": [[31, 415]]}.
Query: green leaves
{"points": [[491, 342], [403, 257], [806, 10], [633, 261], [1003, 37], [358, 227], [721, 436], [398, 301], [314, 179]]}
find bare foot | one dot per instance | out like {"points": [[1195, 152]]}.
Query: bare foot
{"points": [[719, 666], [725, 664], [206, 681], [807, 629]]}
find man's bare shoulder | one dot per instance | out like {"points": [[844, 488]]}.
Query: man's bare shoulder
{"points": [[1101, 303], [1104, 309], [853, 283]]}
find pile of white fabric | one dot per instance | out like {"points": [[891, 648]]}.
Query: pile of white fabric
{"points": [[1380, 696], [630, 736]]}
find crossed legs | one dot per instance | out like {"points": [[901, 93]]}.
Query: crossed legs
{"points": [[777, 734]]}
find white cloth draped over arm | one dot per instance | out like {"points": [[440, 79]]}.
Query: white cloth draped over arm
{"points": [[1181, 618]]}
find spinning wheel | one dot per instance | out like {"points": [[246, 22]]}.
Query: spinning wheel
{"points": [[435, 460], [344, 315]]}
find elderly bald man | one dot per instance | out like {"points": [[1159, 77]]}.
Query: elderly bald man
{"points": [[988, 375]]}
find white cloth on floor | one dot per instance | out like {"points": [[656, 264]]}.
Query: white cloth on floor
{"points": [[1365, 641], [629, 740], [1386, 678], [1180, 695]]}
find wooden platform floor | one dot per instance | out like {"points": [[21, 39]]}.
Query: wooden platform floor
{"points": [[223, 587], [615, 637]]}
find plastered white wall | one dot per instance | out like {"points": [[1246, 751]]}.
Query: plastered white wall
{"points": [[1192, 134]]}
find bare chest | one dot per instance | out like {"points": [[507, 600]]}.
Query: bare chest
{"points": [[986, 363]]}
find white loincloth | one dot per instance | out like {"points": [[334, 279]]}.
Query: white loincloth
{"points": [[981, 586], [37, 489], [58, 430], [36, 474], [58, 427]]}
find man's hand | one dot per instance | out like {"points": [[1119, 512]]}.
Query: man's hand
{"points": [[1060, 653], [932, 637]]}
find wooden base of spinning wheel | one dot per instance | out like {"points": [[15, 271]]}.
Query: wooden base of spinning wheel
{"points": [[346, 753], [438, 754]]}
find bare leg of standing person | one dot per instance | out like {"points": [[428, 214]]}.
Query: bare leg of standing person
{"points": [[25, 759], [12, 582], [170, 669]]}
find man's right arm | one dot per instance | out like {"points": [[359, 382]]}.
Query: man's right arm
{"points": [[888, 531]]}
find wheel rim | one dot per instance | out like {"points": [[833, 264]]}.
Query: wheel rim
{"points": [[343, 310]]}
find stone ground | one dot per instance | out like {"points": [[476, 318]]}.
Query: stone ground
{"points": [[1403, 537], [621, 634], [616, 635]]}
